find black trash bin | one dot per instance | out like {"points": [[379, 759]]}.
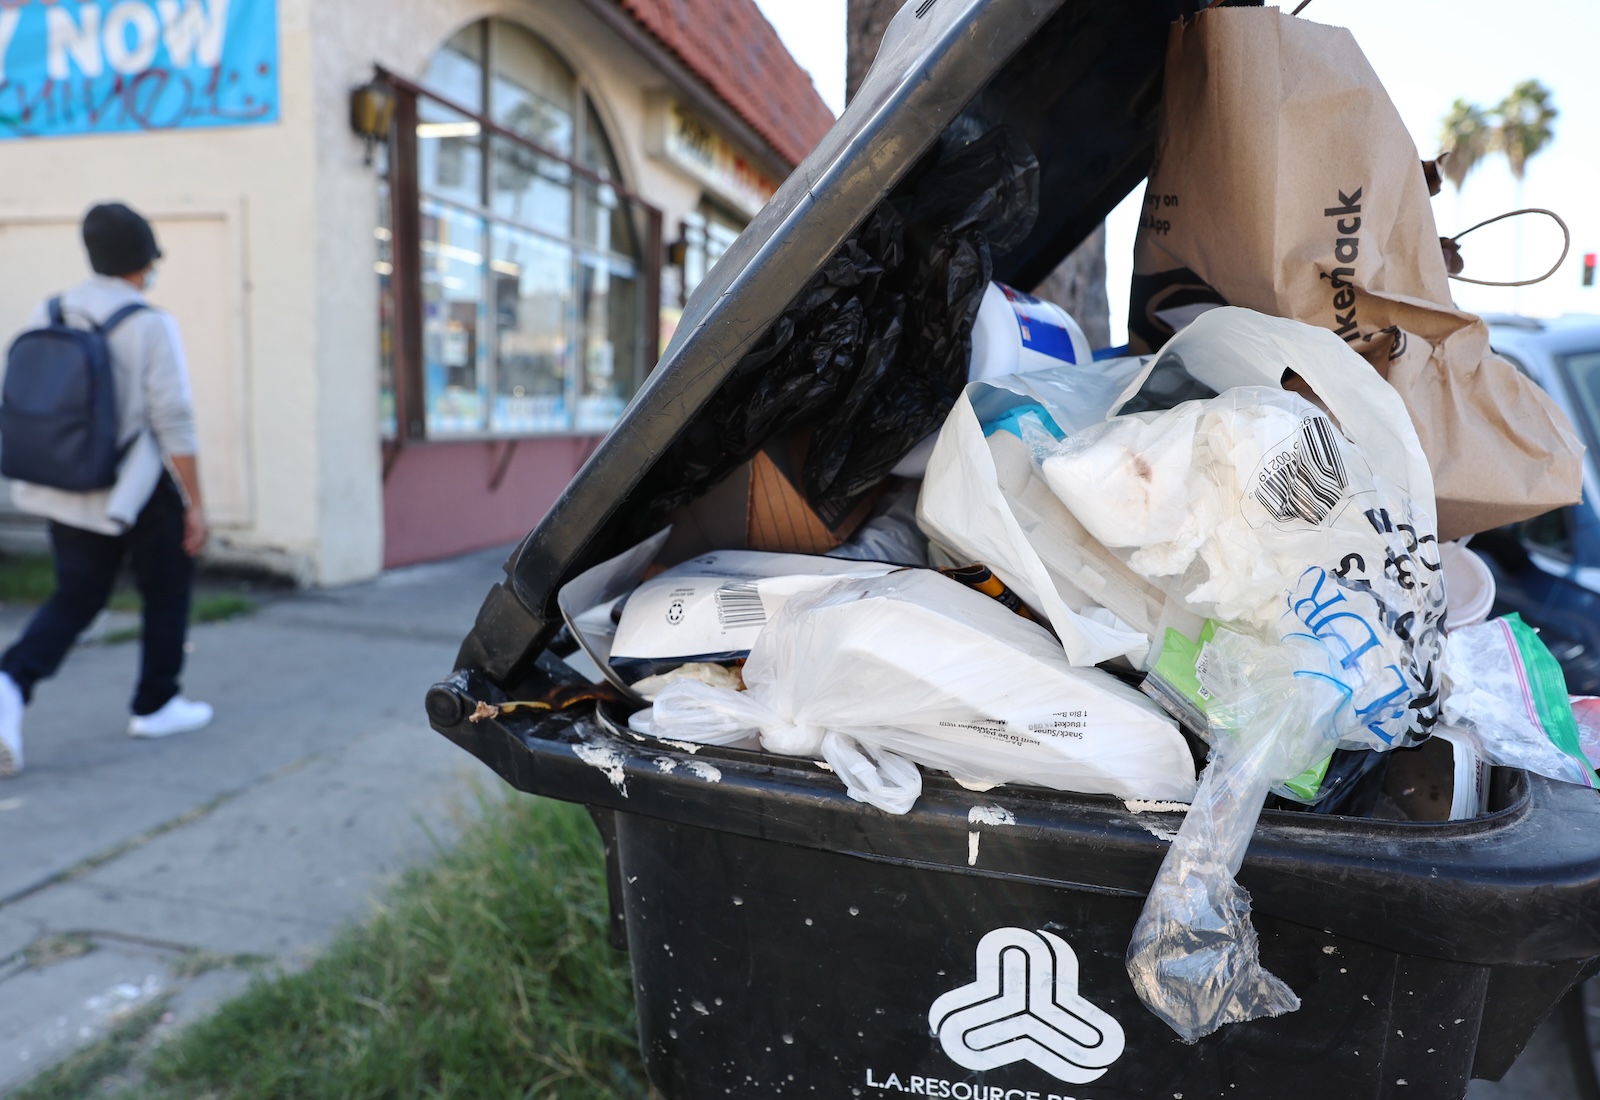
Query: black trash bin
{"points": [[788, 941]]}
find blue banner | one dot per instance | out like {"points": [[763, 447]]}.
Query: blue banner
{"points": [[118, 66]]}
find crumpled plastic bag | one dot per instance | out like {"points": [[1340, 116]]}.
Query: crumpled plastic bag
{"points": [[983, 500], [889, 534], [1258, 509], [874, 674], [1505, 689]]}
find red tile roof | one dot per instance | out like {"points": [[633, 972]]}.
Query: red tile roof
{"points": [[730, 45]]}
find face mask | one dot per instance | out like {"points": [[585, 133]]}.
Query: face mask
{"points": [[150, 279]]}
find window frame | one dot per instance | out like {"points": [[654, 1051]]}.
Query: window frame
{"points": [[406, 262], [695, 231]]}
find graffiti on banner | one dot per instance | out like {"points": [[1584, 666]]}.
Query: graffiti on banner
{"points": [[117, 66]]}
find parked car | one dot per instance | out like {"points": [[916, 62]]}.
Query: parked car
{"points": [[1548, 568]]}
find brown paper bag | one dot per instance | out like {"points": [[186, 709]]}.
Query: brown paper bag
{"points": [[1285, 182]]}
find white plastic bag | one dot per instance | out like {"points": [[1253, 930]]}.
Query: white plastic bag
{"points": [[1507, 692], [984, 501], [872, 673], [710, 608], [1258, 509]]}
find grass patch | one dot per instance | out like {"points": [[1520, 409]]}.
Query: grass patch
{"points": [[86, 1072], [26, 578], [486, 974], [198, 960], [220, 607], [30, 579], [49, 950], [211, 608]]}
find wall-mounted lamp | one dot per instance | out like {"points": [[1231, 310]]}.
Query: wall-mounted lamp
{"points": [[371, 111], [677, 252]]}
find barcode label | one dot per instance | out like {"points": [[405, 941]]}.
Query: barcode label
{"points": [[739, 604], [1309, 482]]}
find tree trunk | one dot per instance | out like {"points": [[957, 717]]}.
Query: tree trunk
{"points": [[865, 22], [1078, 285]]}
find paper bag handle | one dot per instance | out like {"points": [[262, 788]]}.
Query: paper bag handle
{"points": [[1565, 248]]}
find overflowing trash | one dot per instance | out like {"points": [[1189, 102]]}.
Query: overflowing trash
{"points": [[922, 527], [1265, 560], [876, 675]]}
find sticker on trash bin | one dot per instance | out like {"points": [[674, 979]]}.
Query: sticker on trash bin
{"points": [[1025, 1007]]}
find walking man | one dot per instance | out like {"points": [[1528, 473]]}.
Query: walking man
{"points": [[151, 516]]}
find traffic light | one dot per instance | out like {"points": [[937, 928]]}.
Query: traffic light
{"points": [[1588, 269]]}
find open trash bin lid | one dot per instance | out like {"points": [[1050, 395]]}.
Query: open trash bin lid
{"points": [[1078, 81], [786, 939]]}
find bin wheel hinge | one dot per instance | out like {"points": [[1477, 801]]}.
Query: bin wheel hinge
{"points": [[446, 705]]}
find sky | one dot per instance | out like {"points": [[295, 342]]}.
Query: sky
{"points": [[1427, 53]]}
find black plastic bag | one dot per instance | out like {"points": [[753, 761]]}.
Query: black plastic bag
{"points": [[981, 197], [874, 351], [1351, 788]]}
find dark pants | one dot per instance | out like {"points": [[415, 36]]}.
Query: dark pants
{"points": [[86, 569]]}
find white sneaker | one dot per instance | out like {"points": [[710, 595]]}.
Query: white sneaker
{"points": [[180, 715], [11, 706]]}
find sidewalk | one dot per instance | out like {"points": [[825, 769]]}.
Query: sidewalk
{"points": [[131, 869]]}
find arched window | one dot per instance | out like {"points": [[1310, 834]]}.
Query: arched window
{"points": [[528, 293]]}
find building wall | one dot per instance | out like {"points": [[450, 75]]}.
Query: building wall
{"points": [[245, 197], [269, 234], [442, 497]]}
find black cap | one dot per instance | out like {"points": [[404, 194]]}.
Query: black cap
{"points": [[119, 240]]}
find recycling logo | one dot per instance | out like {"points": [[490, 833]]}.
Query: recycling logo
{"points": [[1025, 1007]]}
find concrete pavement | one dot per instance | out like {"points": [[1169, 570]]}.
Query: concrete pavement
{"points": [[132, 869]]}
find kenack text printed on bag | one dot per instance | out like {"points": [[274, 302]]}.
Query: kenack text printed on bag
{"points": [[1346, 247]]}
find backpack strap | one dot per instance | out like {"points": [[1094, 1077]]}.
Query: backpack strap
{"points": [[57, 318], [119, 316]]}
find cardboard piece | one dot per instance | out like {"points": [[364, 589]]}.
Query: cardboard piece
{"points": [[1285, 181], [760, 506]]}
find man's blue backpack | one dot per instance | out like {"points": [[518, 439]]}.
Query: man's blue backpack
{"points": [[58, 405]]}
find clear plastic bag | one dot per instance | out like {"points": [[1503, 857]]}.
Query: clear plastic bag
{"points": [[1194, 957], [1505, 690], [874, 674]]}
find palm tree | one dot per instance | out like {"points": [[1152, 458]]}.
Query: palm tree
{"points": [[1525, 126], [1464, 140]]}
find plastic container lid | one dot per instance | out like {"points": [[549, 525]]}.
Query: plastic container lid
{"points": [[1469, 585]]}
